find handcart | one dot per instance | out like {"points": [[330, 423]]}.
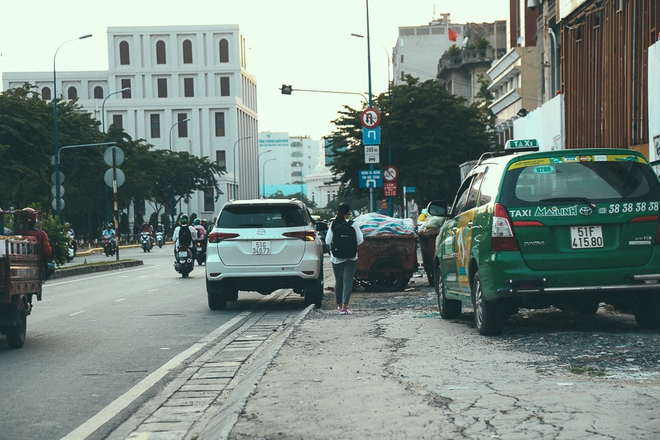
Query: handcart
{"points": [[386, 262], [427, 248]]}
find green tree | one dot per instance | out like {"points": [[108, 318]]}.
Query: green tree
{"points": [[431, 133]]}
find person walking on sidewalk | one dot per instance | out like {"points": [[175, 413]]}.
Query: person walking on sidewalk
{"points": [[344, 237]]}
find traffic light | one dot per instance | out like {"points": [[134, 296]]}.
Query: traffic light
{"points": [[286, 89]]}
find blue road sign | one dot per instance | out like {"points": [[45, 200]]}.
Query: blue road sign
{"points": [[371, 136], [371, 179]]}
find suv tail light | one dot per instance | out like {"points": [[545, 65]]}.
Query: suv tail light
{"points": [[503, 238], [217, 237], [307, 235]]}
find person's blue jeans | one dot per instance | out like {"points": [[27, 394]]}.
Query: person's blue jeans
{"points": [[344, 280]]}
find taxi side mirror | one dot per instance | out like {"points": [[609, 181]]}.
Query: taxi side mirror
{"points": [[437, 208]]}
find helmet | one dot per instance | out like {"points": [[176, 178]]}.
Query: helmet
{"points": [[109, 225], [184, 219], [32, 214], [204, 221], [196, 222]]}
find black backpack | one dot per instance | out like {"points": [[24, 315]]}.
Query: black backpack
{"points": [[344, 241], [185, 237]]}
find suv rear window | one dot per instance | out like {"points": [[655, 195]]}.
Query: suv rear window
{"points": [[600, 182], [263, 216]]}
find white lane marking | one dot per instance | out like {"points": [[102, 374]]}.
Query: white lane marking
{"points": [[77, 313], [109, 273], [123, 401], [120, 300]]}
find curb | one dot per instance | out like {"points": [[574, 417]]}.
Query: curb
{"points": [[92, 268]]}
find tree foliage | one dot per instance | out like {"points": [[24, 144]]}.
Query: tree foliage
{"points": [[430, 133], [26, 163]]}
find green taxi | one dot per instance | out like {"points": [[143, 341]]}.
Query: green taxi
{"points": [[568, 228]]}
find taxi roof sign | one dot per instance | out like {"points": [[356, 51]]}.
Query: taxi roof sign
{"points": [[521, 145]]}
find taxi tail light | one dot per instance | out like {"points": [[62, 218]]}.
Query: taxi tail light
{"points": [[307, 235], [217, 237], [649, 218], [503, 238]]}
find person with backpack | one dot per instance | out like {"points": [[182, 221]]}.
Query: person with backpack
{"points": [[184, 234], [344, 237]]}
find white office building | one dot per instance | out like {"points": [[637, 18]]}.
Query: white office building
{"points": [[174, 73]]}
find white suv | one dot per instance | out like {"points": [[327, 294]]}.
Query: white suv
{"points": [[262, 246]]}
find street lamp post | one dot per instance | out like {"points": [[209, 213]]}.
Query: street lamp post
{"points": [[236, 143], [172, 199], [55, 135], [263, 192], [126, 89], [258, 160]]}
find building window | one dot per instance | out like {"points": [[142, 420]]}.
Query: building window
{"points": [[98, 92], [118, 121], [402, 75], [72, 93], [224, 51], [188, 87], [162, 87], [124, 56], [126, 84], [45, 93], [187, 52], [220, 158], [155, 125], [219, 124], [224, 86], [183, 128], [161, 57], [209, 200]]}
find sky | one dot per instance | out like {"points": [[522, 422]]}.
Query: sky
{"points": [[304, 43]]}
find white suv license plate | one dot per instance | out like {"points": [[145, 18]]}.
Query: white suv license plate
{"points": [[261, 247], [586, 237]]}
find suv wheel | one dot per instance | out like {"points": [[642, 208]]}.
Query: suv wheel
{"points": [[314, 293], [216, 296], [448, 308], [488, 316]]}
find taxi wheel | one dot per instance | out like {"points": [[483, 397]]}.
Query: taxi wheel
{"points": [[647, 313], [488, 316], [448, 308]]}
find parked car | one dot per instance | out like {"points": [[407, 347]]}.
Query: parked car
{"points": [[263, 245], [569, 228]]}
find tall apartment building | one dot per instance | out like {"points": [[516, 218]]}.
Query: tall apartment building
{"points": [[286, 161], [418, 48], [174, 73]]}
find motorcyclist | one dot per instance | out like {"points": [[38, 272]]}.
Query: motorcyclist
{"points": [[72, 235], [184, 223], [109, 232], [146, 227], [201, 233], [160, 229]]}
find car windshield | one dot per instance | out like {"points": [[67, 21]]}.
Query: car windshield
{"points": [[265, 216], [592, 181]]}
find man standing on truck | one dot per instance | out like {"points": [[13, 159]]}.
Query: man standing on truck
{"points": [[39, 235]]}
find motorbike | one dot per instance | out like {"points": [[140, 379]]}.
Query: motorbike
{"points": [[147, 244], [108, 246], [160, 239], [184, 263], [200, 253]]}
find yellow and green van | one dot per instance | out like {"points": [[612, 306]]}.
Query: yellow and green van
{"points": [[567, 228]]}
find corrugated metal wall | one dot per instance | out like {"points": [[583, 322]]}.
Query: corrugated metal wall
{"points": [[604, 72]]}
